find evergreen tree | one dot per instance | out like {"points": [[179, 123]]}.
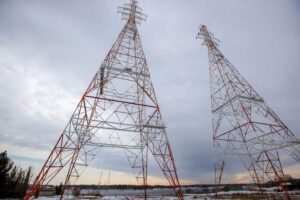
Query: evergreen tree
{"points": [[5, 166], [14, 181], [26, 182], [19, 184]]}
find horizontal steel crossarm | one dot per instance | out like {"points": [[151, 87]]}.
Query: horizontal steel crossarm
{"points": [[109, 123], [110, 128], [252, 98], [125, 74], [238, 96], [126, 97], [125, 102], [127, 70], [294, 142], [257, 150], [121, 129], [112, 145], [280, 147], [120, 76], [230, 140], [249, 140], [128, 55], [153, 126], [237, 151]]}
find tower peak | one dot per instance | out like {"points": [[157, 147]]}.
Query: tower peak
{"points": [[132, 12], [207, 36]]}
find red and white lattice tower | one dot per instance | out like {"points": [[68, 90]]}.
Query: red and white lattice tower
{"points": [[243, 123], [119, 109]]}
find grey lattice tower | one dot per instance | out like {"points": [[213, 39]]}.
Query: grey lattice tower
{"points": [[119, 109], [243, 123]]}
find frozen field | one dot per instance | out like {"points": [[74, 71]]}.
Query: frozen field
{"points": [[158, 194]]}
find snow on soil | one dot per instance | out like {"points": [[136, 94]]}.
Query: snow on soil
{"points": [[137, 195]]}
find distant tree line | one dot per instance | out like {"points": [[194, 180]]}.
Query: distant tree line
{"points": [[58, 189], [14, 180], [120, 186]]}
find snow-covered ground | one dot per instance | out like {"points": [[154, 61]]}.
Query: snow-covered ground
{"points": [[166, 194]]}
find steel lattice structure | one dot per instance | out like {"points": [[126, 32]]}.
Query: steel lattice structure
{"points": [[119, 109], [243, 123]]}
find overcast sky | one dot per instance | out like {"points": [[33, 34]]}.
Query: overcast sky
{"points": [[50, 50]]}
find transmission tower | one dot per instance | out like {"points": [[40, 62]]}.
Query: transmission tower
{"points": [[119, 109], [243, 123]]}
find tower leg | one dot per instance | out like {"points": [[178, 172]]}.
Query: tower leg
{"points": [[219, 167], [144, 146], [256, 172], [70, 171], [161, 150], [275, 166], [219, 153], [56, 161]]}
